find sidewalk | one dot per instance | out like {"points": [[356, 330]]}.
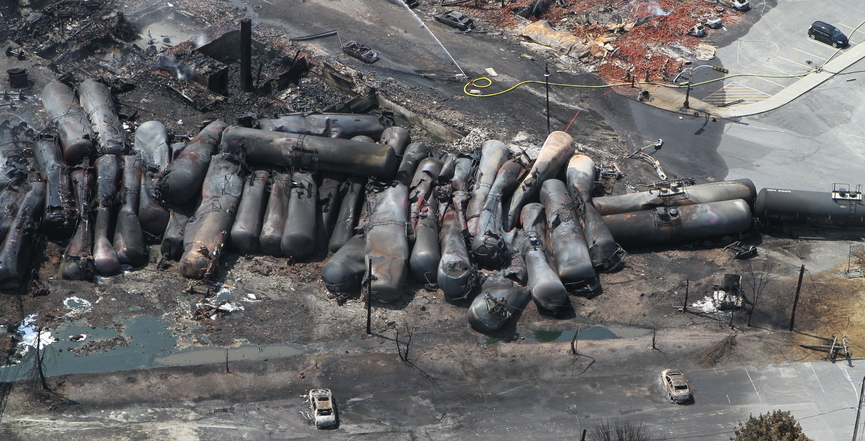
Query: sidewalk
{"points": [[672, 99]]}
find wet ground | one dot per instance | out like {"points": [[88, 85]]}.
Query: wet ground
{"points": [[150, 361]]}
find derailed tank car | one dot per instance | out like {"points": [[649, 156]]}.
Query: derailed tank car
{"points": [[670, 225], [793, 211]]}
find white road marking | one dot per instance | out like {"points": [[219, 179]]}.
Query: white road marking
{"points": [[793, 61], [776, 69], [815, 376], [753, 385], [809, 53], [770, 81], [847, 374]]}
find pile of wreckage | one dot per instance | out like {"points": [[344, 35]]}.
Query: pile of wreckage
{"points": [[486, 226], [647, 40]]}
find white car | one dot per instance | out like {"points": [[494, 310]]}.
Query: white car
{"points": [[323, 408]]}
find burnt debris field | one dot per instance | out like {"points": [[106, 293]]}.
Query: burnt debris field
{"points": [[183, 186]]}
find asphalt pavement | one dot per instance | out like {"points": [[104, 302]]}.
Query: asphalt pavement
{"points": [[807, 133], [808, 142]]}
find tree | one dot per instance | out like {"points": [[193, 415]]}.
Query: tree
{"points": [[621, 431], [757, 280], [777, 426]]}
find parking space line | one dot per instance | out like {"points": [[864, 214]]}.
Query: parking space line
{"points": [[792, 61], [816, 376], [847, 374], [770, 81], [809, 53], [754, 385], [776, 69]]}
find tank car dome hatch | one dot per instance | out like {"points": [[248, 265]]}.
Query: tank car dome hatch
{"points": [[677, 194]]}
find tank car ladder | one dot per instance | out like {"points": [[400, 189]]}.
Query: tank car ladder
{"points": [[841, 194]]}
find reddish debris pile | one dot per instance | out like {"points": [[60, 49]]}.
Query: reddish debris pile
{"points": [[639, 28]]}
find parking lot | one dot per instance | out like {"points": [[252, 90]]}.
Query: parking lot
{"points": [[812, 141], [777, 48]]}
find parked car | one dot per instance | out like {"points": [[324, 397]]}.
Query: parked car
{"points": [[677, 386], [323, 408], [456, 19], [361, 52], [739, 5], [827, 34]]}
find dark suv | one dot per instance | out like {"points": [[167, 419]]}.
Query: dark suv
{"points": [[827, 34]]}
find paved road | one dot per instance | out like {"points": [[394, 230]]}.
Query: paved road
{"points": [[815, 140], [807, 131], [380, 398]]}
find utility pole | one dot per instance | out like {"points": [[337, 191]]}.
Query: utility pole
{"points": [[246, 55], [859, 411], [39, 355], [547, 80], [796, 297], [687, 104], [685, 305], [369, 299]]}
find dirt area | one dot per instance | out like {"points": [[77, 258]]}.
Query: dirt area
{"points": [[286, 302]]}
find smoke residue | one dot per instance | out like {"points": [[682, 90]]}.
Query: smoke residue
{"points": [[168, 63], [650, 8]]}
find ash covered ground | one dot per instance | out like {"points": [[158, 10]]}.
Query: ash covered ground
{"points": [[285, 302]]}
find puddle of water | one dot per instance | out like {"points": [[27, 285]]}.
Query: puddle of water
{"points": [[144, 342], [593, 333], [146, 338], [157, 32], [217, 355]]}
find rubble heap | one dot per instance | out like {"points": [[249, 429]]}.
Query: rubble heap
{"points": [[620, 39]]}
